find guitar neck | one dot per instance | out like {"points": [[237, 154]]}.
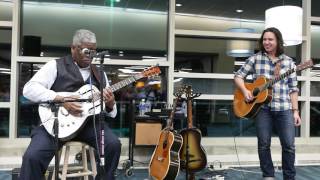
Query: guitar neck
{"points": [[276, 79], [282, 76], [189, 113], [300, 67], [125, 82], [170, 120]]}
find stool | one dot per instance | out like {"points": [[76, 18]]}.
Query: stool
{"points": [[80, 170]]}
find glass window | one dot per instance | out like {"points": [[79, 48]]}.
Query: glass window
{"points": [[314, 89], [203, 55], [223, 15], [207, 86], [135, 30], [6, 11], [314, 119], [315, 8], [5, 64], [315, 54], [153, 90], [215, 118], [4, 122]]}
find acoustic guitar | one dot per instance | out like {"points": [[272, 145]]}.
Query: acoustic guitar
{"points": [[261, 89], [165, 161], [69, 125], [192, 154]]}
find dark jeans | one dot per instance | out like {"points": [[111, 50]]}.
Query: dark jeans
{"points": [[284, 124], [42, 148]]}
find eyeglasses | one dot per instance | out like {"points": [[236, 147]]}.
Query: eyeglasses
{"points": [[88, 52]]}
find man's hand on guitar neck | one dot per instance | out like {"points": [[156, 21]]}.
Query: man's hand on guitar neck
{"points": [[74, 108], [108, 98]]}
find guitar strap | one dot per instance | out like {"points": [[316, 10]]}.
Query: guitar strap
{"points": [[277, 69]]}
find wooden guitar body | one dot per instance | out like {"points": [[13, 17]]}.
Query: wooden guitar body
{"points": [[197, 156], [165, 163], [245, 109]]}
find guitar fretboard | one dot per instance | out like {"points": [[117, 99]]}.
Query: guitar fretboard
{"points": [[300, 67], [277, 79], [125, 82]]}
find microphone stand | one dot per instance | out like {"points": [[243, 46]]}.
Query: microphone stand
{"points": [[54, 109], [100, 58]]}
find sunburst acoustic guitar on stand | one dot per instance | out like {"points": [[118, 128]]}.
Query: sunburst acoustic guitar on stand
{"points": [[261, 89], [193, 156]]}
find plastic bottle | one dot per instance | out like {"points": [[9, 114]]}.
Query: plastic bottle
{"points": [[148, 106], [142, 107]]}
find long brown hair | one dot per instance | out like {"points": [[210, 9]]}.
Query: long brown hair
{"points": [[279, 39]]}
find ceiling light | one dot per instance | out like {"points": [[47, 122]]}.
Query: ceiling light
{"points": [[128, 71], [178, 5], [239, 47], [239, 10], [177, 80], [288, 19]]}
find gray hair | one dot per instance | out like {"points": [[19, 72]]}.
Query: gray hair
{"points": [[83, 36]]}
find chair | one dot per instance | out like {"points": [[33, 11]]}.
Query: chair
{"points": [[80, 170]]}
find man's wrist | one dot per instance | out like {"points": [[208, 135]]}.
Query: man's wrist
{"points": [[295, 110], [109, 109]]}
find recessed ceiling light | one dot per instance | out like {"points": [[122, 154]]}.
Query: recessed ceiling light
{"points": [[178, 5], [117, 0], [239, 10]]}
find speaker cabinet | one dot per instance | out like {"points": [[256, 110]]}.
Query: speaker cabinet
{"points": [[147, 132], [31, 45]]}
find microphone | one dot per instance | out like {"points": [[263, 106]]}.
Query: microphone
{"points": [[100, 56], [85, 51]]}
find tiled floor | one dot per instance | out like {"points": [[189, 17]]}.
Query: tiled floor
{"points": [[247, 173]]}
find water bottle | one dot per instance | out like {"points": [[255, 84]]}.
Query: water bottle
{"points": [[148, 106], [142, 107]]}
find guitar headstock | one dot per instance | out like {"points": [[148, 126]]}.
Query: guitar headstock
{"points": [[189, 92], [152, 71], [179, 92], [305, 65]]}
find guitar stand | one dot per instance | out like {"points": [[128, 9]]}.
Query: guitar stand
{"points": [[191, 177]]}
